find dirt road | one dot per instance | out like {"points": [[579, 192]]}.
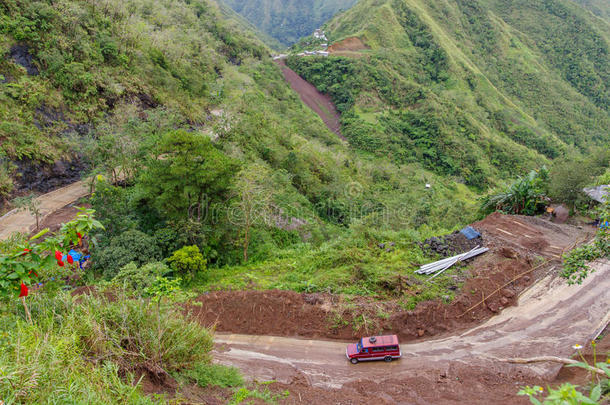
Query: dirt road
{"points": [[550, 318], [320, 103], [22, 221]]}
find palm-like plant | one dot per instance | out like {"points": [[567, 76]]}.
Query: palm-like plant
{"points": [[526, 195]]}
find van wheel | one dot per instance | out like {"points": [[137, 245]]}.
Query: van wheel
{"points": [[388, 358], [354, 361]]}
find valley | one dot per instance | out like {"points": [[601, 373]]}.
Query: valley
{"points": [[205, 202]]}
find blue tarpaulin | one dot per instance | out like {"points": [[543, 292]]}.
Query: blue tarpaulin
{"points": [[78, 257], [470, 233]]}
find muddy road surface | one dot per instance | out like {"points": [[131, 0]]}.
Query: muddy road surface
{"points": [[550, 318]]}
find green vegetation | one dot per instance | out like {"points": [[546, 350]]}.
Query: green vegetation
{"points": [[353, 264], [207, 172], [567, 393], [91, 350], [575, 262], [188, 262], [287, 21], [597, 7], [526, 196], [457, 85]]}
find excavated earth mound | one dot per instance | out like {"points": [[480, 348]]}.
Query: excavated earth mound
{"points": [[348, 44], [523, 249]]}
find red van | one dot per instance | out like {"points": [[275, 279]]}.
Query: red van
{"points": [[374, 348]]}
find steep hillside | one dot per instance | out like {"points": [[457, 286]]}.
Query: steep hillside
{"points": [[474, 89], [246, 26], [600, 8], [288, 20], [119, 88]]}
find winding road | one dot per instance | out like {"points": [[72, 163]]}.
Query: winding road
{"points": [[23, 221], [551, 317]]}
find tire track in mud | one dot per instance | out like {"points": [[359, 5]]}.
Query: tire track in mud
{"points": [[550, 318]]}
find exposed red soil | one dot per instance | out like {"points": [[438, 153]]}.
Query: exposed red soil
{"points": [[522, 250], [452, 386], [348, 44], [457, 384], [287, 313], [579, 376], [61, 216], [320, 103]]}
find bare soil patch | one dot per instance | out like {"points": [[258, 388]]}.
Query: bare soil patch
{"points": [[455, 385], [579, 376], [348, 44], [523, 249], [320, 103], [54, 220], [288, 313]]}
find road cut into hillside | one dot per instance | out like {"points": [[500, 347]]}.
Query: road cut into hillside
{"points": [[551, 317], [23, 221]]}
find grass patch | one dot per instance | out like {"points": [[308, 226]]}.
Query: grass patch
{"points": [[206, 375], [265, 395], [87, 350]]}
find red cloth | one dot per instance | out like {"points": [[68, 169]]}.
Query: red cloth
{"points": [[24, 290]]}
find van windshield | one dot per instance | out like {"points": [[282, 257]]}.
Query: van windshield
{"points": [[359, 346]]}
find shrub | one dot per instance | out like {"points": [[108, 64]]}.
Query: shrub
{"points": [[130, 246], [130, 277], [188, 262], [568, 178], [527, 195], [160, 342], [575, 263], [6, 184], [169, 240]]}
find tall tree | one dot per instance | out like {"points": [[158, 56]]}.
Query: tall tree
{"points": [[253, 204], [186, 174]]}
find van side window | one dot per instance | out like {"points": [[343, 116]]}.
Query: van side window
{"points": [[392, 348], [378, 349]]}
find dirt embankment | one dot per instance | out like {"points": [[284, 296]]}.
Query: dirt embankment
{"points": [[287, 313], [522, 250], [460, 368], [50, 203], [320, 103], [351, 44]]}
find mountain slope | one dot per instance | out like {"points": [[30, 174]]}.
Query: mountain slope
{"points": [[92, 89], [474, 89], [288, 20], [600, 8], [245, 26]]}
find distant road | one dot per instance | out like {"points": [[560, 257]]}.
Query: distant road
{"points": [[320, 103], [23, 221]]}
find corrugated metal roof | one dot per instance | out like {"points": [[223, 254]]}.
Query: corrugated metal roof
{"points": [[386, 340]]}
